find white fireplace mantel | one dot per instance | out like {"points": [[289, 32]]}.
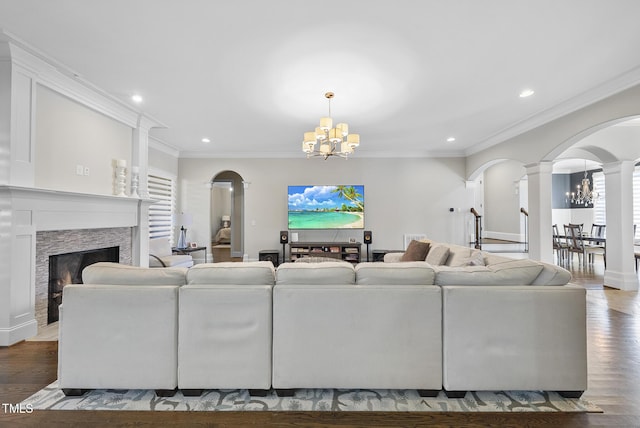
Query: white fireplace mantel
{"points": [[59, 210], [25, 211]]}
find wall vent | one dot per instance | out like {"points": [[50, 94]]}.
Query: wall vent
{"points": [[408, 237]]}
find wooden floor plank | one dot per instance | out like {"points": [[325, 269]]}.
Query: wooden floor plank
{"points": [[613, 325]]}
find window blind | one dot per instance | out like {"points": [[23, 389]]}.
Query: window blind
{"points": [[599, 205], [162, 190], [636, 200]]}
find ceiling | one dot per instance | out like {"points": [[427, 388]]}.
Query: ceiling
{"points": [[250, 75]]}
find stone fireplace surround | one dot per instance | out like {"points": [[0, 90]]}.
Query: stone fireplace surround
{"points": [[50, 243], [29, 214]]}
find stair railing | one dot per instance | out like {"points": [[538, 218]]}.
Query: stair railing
{"points": [[526, 229], [478, 241]]}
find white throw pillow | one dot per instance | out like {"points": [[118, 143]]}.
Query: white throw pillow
{"points": [[437, 255], [475, 259]]}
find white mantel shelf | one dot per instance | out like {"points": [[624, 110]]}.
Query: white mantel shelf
{"points": [[48, 209]]}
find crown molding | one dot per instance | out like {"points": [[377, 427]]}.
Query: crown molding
{"points": [[614, 86], [161, 146], [56, 76], [300, 155]]}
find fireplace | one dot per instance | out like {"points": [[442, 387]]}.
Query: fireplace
{"points": [[44, 222], [67, 269]]}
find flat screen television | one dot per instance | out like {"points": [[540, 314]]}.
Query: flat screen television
{"points": [[326, 207]]}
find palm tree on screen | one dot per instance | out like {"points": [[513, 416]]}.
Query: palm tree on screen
{"points": [[350, 193]]}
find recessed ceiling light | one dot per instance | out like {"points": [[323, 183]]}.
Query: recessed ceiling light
{"points": [[136, 98], [206, 140], [451, 139], [526, 93]]}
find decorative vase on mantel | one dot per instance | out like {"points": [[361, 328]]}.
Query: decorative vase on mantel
{"points": [[120, 178]]}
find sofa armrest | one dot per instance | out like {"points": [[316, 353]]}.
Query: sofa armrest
{"points": [[158, 259]]}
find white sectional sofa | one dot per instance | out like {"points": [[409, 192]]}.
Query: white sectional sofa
{"points": [[119, 329], [508, 324], [208, 327], [375, 326], [224, 339], [457, 320]]}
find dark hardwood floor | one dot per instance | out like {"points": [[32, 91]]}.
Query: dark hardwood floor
{"points": [[614, 384]]}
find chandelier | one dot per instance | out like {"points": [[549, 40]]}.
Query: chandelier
{"points": [[584, 195], [332, 141]]}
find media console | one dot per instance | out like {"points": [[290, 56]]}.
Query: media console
{"points": [[347, 251]]}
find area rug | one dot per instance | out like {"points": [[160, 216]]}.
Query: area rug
{"points": [[385, 400]]}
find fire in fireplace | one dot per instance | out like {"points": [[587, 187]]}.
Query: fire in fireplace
{"points": [[67, 269]]}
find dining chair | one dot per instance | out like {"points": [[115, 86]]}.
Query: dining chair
{"points": [[575, 244], [559, 246], [597, 231]]}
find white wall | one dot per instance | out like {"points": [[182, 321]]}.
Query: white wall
{"points": [[576, 216], [502, 200], [163, 161], [401, 196], [69, 134]]}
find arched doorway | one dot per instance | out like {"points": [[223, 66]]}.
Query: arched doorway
{"points": [[227, 216]]}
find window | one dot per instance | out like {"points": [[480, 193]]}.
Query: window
{"points": [[636, 200], [162, 188], [599, 205]]}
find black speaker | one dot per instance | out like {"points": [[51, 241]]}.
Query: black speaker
{"points": [[284, 236], [272, 256], [368, 237]]}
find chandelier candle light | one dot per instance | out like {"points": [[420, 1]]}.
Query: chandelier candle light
{"points": [[332, 141], [584, 195]]}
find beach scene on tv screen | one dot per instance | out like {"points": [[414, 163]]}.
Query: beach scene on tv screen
{"points": [[326, 207]]}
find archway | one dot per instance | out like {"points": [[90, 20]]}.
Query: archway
{"points": [[227, 216]]}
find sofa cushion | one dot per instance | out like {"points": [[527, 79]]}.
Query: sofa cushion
{"points": [[523, 272], [328, 273], [475, 259], [405, 273], [492, 259], [416, 251], [393, 257], [107, 273], [229, 273], [458, 254], [516, 272], [552, 275], [437, 255]]}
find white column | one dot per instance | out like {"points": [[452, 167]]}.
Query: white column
{"points": [[17, 231], [620, 272], [540, 231], [140, 158]]}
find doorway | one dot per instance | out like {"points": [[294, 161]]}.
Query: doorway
{"points": [[227, 216]]}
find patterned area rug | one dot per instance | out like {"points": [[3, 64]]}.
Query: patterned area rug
{"points": [[407, 400]]}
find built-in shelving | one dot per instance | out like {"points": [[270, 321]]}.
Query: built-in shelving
{"points": [[347, 251]]}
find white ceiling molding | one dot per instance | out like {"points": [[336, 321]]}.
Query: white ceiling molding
{"points": [[621, 83], [64, 81]]}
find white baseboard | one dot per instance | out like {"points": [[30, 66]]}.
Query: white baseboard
{"points": [[9, 336], [515, 237]]}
